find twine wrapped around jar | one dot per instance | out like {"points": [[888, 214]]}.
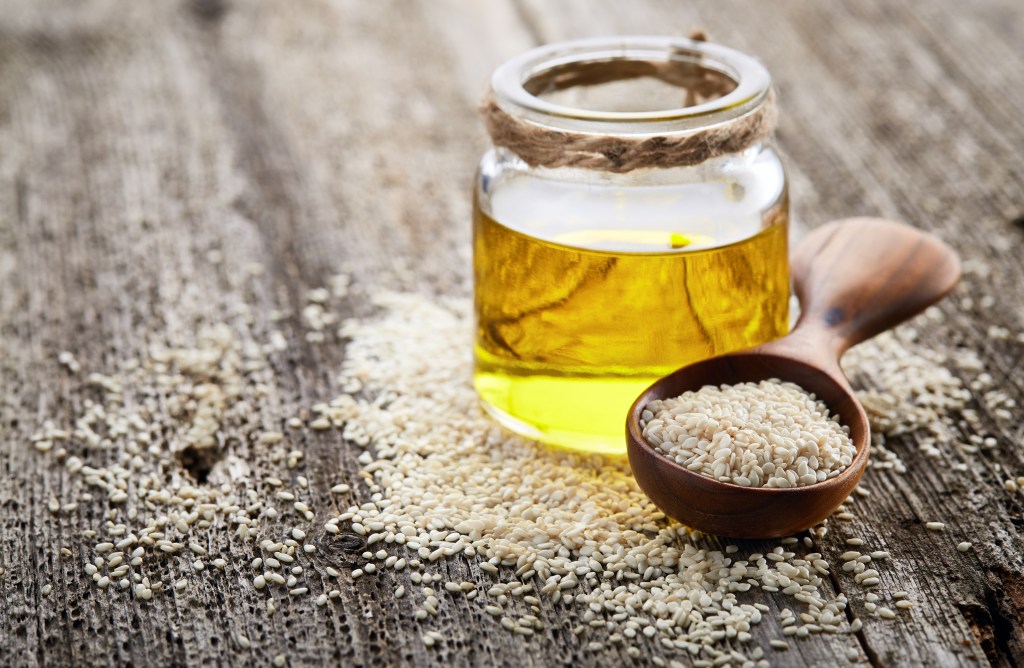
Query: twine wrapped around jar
{"points": [[541, 145]]}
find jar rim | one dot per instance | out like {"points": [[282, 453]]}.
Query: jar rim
{"points": [[510, 80]]}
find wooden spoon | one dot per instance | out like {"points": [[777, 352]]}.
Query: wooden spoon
{"points": [[855, 278]]}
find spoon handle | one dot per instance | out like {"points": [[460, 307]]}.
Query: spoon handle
{"points": [[858, 277]]}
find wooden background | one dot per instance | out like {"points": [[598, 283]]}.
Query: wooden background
{"points": [[151, 153]]}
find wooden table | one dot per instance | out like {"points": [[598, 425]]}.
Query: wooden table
{"points": [[154, 155]]}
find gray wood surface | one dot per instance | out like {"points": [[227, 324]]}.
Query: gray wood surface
{"points": [[152, 154]]}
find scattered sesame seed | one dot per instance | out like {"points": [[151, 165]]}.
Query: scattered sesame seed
{"points": [[530, 512], [886, 613]]}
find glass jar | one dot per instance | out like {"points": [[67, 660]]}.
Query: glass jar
{"points": [[630, 219]]}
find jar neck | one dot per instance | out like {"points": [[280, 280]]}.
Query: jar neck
{"points": [[723, 103]]}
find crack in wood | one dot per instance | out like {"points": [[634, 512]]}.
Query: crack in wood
{"points": [[862, 640]]}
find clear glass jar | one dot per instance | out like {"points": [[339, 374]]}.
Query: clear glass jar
{"points": [[594, 277]]}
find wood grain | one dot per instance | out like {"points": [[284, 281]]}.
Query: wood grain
{"points": [[162, 163]]}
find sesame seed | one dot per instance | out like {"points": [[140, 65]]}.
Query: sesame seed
{"points": [[964, 546], [791, 433], [575, 531], [934, 526]]}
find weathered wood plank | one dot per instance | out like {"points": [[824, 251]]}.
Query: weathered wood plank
{"points": [[153, 157]]}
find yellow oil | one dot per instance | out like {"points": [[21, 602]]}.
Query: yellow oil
{"points": [[573, 323]]}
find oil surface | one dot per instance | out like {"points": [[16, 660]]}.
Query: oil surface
{"points": [[574, 322]]}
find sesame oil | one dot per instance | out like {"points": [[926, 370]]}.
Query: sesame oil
{"points": [[581, 307]]}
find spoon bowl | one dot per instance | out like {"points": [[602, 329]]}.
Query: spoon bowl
{"points": [[854, 278], [722, 508]]}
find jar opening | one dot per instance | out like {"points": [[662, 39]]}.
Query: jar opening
{"points": [[624, 85]]}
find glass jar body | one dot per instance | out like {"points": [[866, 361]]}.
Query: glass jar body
{"points": [[589, 285]]}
